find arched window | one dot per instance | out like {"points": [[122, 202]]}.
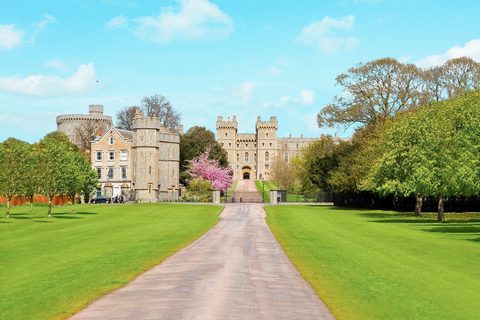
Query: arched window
{"points": [[238, 157], [246, 156], [266, 156], [286, 158]]}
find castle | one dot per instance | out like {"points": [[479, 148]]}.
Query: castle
{"points": [[250, 155], [142, 164]]}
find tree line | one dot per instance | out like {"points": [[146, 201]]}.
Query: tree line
{"points": [[417, 134], [52, 167]]}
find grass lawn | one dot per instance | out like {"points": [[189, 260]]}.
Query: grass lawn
{"points": [[268, 185], [51, 267], [384, 265]]}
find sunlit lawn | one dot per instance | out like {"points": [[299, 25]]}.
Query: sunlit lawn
{"points": [[51, 267], [268, 185], [384, 265]]}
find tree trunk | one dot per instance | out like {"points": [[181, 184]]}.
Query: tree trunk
{"points": [[418, 205], [73, 204], [49, 207], [441, 209], [8, 207], [31, 203]]}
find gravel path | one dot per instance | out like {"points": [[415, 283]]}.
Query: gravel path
{"points": [[237, 270]]}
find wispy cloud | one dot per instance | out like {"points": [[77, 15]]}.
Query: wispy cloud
{"points": [[191, 20], [10, 36], [56, 64], [471, 49], [83, 80], [244, 90], [307, 97], [323, 34], [272, 71]]}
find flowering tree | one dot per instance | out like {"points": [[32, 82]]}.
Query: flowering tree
{"points": [[202, 167]]}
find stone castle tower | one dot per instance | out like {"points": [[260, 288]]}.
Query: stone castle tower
{"points": [[250, 155], [156, 157], [67, 123]]}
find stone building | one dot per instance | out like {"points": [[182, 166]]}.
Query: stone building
{"points": [[142, 164], [250, 155], [68, 123]]}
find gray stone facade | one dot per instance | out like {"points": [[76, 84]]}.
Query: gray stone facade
{"points": [[250, 154], [67, 123]]}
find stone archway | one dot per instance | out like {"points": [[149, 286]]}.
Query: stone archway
{"points": [[246, 172]]}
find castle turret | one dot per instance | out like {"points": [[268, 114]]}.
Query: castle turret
{"points": [[227, 134], [145, 155], [267, 145]]}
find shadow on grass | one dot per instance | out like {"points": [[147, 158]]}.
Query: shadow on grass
{"points": [[44, 221], [454, 228], [65, 217], [86, 212]]}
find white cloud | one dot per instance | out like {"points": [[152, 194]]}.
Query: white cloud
{"points": [[404, 59], [244, 90], [471, 49], [56, 64], [83, 80], [307, 97], [193, 19], [272, 71], [9, 36], [322, 34]]}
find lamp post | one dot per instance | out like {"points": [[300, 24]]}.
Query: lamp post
{"points": [[263, 185]]}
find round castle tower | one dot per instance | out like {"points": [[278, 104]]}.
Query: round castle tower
{"points": [[68, 122]]}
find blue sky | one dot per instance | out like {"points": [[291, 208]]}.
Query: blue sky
{"points": [[211, 58]]}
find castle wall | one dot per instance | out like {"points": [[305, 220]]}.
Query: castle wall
{"points": [[255, 152]]}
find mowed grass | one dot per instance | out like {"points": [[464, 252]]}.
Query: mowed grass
{"points": [[268, 185], [51, 267], [384, 265]]}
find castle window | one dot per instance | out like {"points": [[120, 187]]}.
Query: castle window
{"points": [[149, 188], [229, 145], [263, 144], [286, 158], [222, 144], [297, 145], [255, 157], [266, 135], [266, 167], [99, 172], [238, 157], [246, 156], [266, 156], [124, 173], [226, 135], [123, 155], [270, 144], [111, 155], [111, 140], [110, 173], [150, 170], [237, 145], [99, 155], [246, 145]]}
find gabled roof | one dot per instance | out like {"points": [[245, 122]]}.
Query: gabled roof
{"points": [[123, 134]]}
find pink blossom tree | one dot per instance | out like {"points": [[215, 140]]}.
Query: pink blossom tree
{"points": [[209, 169]]}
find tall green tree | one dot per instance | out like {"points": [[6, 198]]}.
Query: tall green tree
{"points": [[53, 166], [373, 92], [195, 142], [433, 152], [321, 158], [80, 177], [13, 154], [31, 177]]}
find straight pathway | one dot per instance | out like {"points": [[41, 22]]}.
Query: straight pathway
{"points": [[237, 270]]}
